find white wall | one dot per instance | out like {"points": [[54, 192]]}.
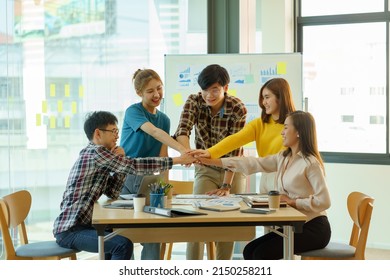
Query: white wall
{"points": [[370, 179]]}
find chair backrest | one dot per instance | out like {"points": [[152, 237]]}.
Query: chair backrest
{"points": [[182, 187], [360, 208], [14, 209]]}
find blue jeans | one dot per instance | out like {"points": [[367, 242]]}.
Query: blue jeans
{"points": [[85, 238], [150, 251]]}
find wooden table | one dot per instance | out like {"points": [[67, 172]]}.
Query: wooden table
{"points": [[215, 226]]}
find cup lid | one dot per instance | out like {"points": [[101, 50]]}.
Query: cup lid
{"points": [[273, 193]]}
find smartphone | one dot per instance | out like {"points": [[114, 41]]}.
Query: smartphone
{"points": [[257, 211]]}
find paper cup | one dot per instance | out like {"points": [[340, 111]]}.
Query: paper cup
{"points": [[273, 200]]}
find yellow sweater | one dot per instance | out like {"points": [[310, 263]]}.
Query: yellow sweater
{"points": [[267, 136]]}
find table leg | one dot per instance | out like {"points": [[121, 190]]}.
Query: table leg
{"points": [[101, 247], [288, 243]]}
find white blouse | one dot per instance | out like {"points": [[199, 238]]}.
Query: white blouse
{"points": [[298, 177]]}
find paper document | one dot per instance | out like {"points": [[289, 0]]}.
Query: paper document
{"points": [[220, 204], [195, 196]]}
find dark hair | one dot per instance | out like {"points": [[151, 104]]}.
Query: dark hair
{"points": [[98, 119], [212, 74], [305, 125], [281, 89], [142, 77]]}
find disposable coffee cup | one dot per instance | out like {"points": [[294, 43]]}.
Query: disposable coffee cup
{"points": [[139, 202], [273, 200]]}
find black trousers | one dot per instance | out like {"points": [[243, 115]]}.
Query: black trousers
{"points": [[315, 235]]}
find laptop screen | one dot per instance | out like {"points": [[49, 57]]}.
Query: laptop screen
{"points": [[144, 186]]}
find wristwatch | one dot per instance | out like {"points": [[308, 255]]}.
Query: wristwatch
{"points": [[225, 186]]}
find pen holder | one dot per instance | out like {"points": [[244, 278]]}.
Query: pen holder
{"points": [[157, 200]]}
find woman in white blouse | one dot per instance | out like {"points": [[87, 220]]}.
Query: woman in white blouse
{"points": [[300, 180]]}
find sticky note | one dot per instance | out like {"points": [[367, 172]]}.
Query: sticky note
{"points": [[52, 122], [249, 79], [74, 107], [249, 145], [67, 90], [44, 106], [281, 68], [232, 92], [38, 120], [178, 99], [67, 121], [81, 91], [52, 90], [59, 106]]}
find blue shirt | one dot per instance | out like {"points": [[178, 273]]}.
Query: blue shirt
{"points": [[134, 140]]}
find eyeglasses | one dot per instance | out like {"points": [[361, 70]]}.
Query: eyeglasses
{"points": [[213, 91], [113, 131]]}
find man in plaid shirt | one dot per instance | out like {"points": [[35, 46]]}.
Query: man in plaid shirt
{"points": [[100, 169], [215, 115]]}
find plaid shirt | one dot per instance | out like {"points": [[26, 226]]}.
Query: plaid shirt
{"points": [[209, 129], [97, 171]]}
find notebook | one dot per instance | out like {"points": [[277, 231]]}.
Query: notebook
{"points": [[259, 202], [171, 212], [144, 186]]}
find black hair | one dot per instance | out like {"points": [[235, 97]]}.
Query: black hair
{"points": [[212, 74], [98, 119]]}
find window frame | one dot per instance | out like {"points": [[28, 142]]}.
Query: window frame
{"points": [[301, 22]]}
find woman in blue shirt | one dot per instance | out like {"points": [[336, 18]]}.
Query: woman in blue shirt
{"points": [[145, 133]]}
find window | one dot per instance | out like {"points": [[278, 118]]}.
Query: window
{"points": [[345, 75], [62, 59]]}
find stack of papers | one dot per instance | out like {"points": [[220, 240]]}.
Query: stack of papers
{"points": [[220, 204]]}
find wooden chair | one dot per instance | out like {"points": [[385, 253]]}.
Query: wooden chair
{"points": [[360, 208], [184, 187], [14, 209]]}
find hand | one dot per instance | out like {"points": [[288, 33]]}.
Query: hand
{"points": [[199, 153], [186, 160], [118, 150], [186, 153], [288, 200], [219, 192], [207, 161]]}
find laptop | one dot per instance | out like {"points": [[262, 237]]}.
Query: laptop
{"points": [[144, 186]]}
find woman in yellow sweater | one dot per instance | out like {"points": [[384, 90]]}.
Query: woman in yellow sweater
{"points": [[275, 100]]}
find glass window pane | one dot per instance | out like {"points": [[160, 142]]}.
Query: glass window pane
{"points": [[345, 82], [62, 59], [334, 7]]}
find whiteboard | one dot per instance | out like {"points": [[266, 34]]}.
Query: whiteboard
{"points": [[248, 72]]}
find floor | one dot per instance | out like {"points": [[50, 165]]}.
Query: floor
{"points": [[178, 253]]}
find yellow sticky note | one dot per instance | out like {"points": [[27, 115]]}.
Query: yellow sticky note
{"points": [[178, 99], [249, 145], [52, 122], [60, 106], [67, 90], [38, 119], [52, 90], [44, 106], [281, 68], [81, 91], [67, 121], [74, 107], [232, 92]]}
